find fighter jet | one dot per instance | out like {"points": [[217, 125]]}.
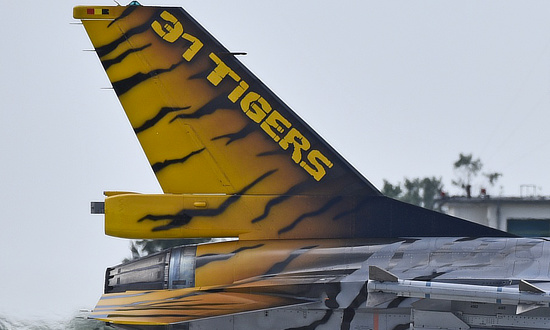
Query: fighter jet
{"points": [[315, 244]]}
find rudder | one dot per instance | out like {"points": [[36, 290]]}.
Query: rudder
{"points": [[231, 157], [205, 122]]}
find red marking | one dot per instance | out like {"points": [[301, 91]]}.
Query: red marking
{"points": [[375, 322], [90, 11]]}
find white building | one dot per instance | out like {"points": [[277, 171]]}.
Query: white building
{"points": [[523, 216]]}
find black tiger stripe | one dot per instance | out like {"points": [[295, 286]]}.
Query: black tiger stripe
{"points": [[271, 153], [323, 209], [217, 103], [188, 305], [126, 84], [430, 277], [396, 302], [185, 216], [332, 290], [280, 266], [356, 209], [278, 200], [201, 75], [241, 134], [157, 167], [349, 312], [124, 14], [208, 258], [108, 63], [122, 315], [164, 111], [317, 323], [108, 48]]}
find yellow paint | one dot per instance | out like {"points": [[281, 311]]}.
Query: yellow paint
{"points": [[275, 121], [221, 71], [275, 125], [137, 215], [171, 30], [196, 45], [114, 193], [255, 106], [127, 216], [172, 306], [200, 204], [216, 149], [299, 142], [210, 139], [238, 91], [318, 164]]}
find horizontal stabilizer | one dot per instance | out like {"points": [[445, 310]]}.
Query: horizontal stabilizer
{"points": [[176, 306]]}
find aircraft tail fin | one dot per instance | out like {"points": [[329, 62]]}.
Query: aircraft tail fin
{"points": [[205, 122], [166, 307], [231, 157]]}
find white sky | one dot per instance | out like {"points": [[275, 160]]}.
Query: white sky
{"points": [[400, 88]]}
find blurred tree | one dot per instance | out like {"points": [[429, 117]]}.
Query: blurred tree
{"points": [[392, 191], [417, 191], [424, 191], [467, 169], [492, 177]]}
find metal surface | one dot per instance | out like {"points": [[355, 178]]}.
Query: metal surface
{"points": [[235, 161], [182, 267]]}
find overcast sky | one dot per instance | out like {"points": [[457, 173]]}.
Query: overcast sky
{"points": [[400, 88]]}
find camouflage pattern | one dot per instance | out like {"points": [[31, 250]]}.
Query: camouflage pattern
{"points": [[234, 161], [329, 278]]}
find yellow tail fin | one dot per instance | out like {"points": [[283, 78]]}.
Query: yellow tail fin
{"points": [[206, 123], [209, 126]]}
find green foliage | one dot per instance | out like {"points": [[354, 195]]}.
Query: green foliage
{"points": [[467, 169], [392, 191], [417, 191], [424, 191], [492, 177]]}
